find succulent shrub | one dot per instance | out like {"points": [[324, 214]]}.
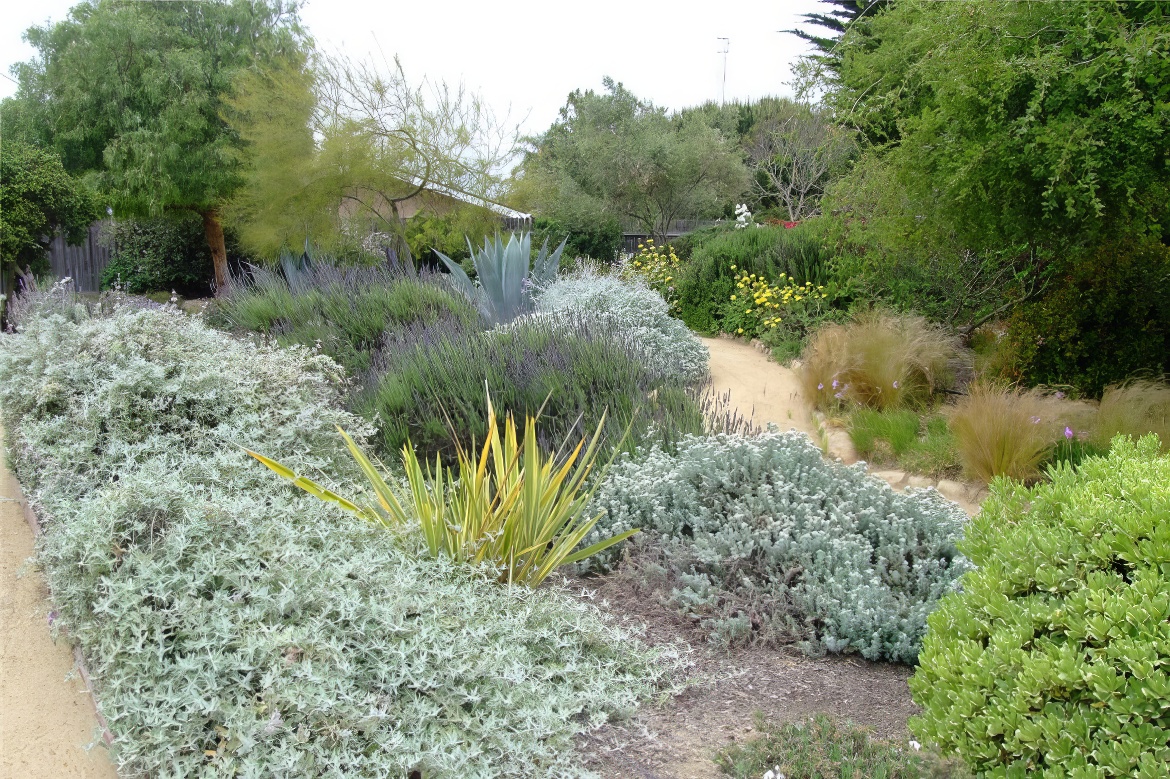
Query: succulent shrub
{"points": [[1053, 660], [668, 348], [505, 284], [767, 540], [237, 629]]}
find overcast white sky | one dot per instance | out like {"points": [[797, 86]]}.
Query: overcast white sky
{"points": [[527, 55]]}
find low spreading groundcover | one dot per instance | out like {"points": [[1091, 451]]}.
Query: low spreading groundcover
{"points": [[234, 628]]}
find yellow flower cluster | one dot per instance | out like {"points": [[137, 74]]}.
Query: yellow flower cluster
{"points": [[658, 267], [766, 301]]}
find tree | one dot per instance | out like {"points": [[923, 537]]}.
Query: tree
{"points": [[631, 160], [839, 17], [1025, 123], [132, 94], [793, 154], [336, 147], [37, 199]]}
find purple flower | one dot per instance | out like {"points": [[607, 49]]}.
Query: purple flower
{"points": [[834, 384], [895, 384], [821, 386], [1035, 420], [840, 396], [1068, 432], [1059, 396]]}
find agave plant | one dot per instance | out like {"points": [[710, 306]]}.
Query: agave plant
{"points": [[505, 288], [513, 506]]}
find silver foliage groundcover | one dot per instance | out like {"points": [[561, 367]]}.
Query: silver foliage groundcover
{"points": [[234, 629], [767, 539]]}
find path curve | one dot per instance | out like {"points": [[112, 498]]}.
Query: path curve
{"points": [[769, 392], [759, 387], [46, 718]]}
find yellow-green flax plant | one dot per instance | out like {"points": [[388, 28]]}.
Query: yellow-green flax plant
{"points": [[512, 506]]}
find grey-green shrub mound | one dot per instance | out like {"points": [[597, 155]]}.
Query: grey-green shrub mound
{"points": [[1054, 659], [668, 348], [236, 629], [767, 539]]}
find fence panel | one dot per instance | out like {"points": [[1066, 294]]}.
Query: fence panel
{"points": [[85, 263]]}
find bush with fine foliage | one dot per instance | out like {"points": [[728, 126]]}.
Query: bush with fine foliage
{"points": [[766, 540], [571, 371], [235, 628], [347, 311], [639, 314], [1104, 317], [1054, 658]]}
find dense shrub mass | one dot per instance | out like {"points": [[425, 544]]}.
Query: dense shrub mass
{"points": [[574, 369], [1104, 317], [1054, 660], [770, 540], [346, 310], [160, 255], [668, 348], [236, 629], [718, 258]]}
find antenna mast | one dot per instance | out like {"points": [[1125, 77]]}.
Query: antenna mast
{"points": [[723, 49]]}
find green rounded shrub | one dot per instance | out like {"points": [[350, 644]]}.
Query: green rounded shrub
{"points": [[159, 255], [1104, 317], [1054, 659]]}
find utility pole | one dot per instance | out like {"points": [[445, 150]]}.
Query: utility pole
{"points": [[723, 49]]}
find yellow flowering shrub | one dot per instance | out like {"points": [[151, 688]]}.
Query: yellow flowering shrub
{"points": [[658, 267], [757, 307]]}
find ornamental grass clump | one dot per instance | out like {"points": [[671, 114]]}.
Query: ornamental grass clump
{"points": [[1006, 431], [513, 509], [760, 539], [1135, 408], [639, 315], [880, 360], [1053, 659], [234, 629]]}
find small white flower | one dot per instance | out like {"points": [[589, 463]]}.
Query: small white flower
{"points": [[915, 745]]}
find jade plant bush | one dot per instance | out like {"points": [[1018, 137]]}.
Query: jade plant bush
{"points": [[1054, 659], [762, 539], [237, 627]]}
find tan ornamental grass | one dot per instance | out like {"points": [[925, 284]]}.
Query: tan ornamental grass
{"points": [[880, 360], [1134, 409]]}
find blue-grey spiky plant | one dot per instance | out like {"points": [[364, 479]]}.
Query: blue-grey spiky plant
{"points": [[505, 285]]}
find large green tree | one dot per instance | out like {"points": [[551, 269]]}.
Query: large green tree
{"points": [[1021, 122], [132, 93], [37, 199], [620, 156]]}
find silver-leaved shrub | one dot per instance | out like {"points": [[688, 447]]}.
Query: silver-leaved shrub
{"points": [[765, 539], [667, 346], [1054, 659], [234, 628]]}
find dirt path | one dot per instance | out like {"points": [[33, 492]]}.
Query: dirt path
{"points": [[770, 392], [46, 718], [766, 390]]}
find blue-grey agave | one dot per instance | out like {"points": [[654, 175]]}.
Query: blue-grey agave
{"points": [[505, 284]]}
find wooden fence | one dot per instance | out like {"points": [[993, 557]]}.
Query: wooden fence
{"points": [[634, 234], [85, 263]]}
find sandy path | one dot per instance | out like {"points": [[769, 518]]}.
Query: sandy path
{"points": [[46, 719], [765, 389]]}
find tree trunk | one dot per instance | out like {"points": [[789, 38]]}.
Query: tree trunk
{"points": [[214, 232]]}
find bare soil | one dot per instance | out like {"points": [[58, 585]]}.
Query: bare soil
{"points": [[680, 738], [47, 718], [759, 387]]}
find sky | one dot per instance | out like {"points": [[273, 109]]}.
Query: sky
{"points": [[525, 56]]}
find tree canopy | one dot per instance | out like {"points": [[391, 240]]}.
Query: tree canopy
{"points": [[37, 199], [1021, 123], [132, 94], [616, 155]]}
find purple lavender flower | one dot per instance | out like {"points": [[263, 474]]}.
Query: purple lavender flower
{"points": [[1068, 433]]}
